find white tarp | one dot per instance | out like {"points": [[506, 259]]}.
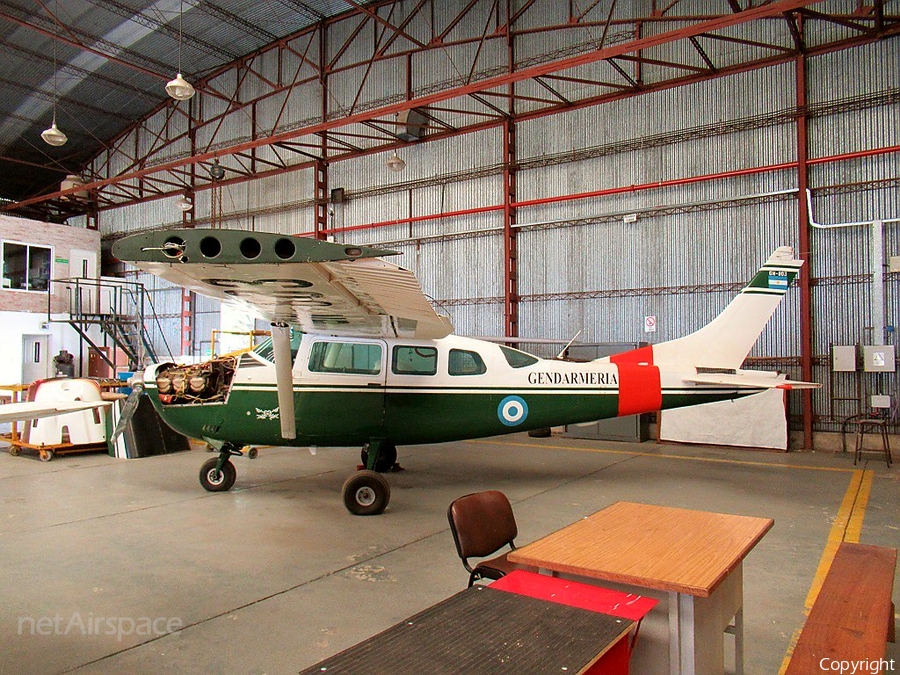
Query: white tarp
{"points": [[758, 421]]}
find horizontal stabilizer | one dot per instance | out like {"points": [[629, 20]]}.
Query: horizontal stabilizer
{"points": [[32, 410], [751, 380]]}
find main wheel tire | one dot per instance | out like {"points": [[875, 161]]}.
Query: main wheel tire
{"points": [[366, 493], [384, 463], [220, 481]]}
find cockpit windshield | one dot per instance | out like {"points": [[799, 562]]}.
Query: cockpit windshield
{"points": [[266, 351]]}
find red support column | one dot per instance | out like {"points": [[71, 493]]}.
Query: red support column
{"points": [[322, 196], [806, 341], [510, 244], [187, 324], [321, 179], [510, 253]]}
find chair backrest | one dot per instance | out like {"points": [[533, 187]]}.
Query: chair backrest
{"points": [[481, 523]]}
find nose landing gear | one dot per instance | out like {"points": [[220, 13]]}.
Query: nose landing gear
{"points": [[218, 474]]}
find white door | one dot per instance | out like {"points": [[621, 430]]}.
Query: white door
{"points": [[35, 358], [83, 265]]}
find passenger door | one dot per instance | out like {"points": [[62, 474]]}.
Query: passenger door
{"points": [[342, 390]]}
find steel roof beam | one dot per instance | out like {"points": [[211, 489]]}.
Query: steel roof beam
{"points": [[774, 9]]}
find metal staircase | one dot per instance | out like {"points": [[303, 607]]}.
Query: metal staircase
{"points": [[109, 310]]}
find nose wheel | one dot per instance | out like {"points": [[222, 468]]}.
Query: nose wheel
{"points": [[218, 474]]}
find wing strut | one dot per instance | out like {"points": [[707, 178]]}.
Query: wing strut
{"points": [[284, 378]]}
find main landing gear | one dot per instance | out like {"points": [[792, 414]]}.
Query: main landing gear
{"points": [[367, 492]]}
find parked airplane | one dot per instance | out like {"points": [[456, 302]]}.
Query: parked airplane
{"points": [[358, 356]]}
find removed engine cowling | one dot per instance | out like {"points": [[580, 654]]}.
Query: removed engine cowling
{"points": [[198, 383]]}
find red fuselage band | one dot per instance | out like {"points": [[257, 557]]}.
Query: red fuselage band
{"points": [[640, 390]]}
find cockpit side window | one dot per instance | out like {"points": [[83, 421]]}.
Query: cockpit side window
{"points": [[464, 362], [414, 360]]}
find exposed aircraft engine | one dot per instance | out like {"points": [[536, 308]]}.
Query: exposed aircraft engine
{"points": [[199, 383]]}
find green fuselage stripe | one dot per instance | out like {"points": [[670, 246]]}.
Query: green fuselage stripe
{"points": [[347, 416]]}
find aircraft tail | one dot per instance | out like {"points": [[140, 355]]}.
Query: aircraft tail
{"points": [[723, 344]]}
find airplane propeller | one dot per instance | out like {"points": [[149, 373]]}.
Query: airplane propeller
{"points": [[128, 410]]}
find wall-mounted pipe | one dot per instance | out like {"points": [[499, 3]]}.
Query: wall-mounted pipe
{"points": [[877, 256]]}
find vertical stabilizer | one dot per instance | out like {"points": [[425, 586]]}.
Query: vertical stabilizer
{"points": [[725, 342]]}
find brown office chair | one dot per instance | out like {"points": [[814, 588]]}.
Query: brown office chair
{"points": [[482, 523]]}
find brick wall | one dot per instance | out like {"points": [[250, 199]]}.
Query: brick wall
{"points": [[62, 241]]}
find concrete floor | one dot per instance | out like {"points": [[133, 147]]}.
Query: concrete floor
{"points": [[275, 575]]}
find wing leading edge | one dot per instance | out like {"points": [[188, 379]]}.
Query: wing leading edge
{"points": [[316, 286]]}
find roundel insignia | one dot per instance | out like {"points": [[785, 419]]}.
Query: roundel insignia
{"points": [[512, 410]]}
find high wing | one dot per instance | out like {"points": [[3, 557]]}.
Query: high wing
{"points": [[316, 286], [32, 410]]}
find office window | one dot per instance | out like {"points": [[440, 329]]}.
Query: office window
{"points": [[26, 268]]}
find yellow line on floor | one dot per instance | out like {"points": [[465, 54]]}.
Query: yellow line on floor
{"points": [[847, 526], [744, 462]]}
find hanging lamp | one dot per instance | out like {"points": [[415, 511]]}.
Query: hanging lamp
{"points": [[53, 135], [395, 163], [179, 88]]}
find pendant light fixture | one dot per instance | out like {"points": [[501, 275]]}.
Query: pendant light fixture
{"points": [[183, 203], [53, 136], [179, 88], [395, 163]]}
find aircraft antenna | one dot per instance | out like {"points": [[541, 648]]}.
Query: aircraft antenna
{"points": [[568, 344]]}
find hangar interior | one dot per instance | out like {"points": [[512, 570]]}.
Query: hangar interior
{"points": [[611, 172]]}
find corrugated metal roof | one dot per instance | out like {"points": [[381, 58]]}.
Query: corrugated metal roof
{"points": [[111, 60]]}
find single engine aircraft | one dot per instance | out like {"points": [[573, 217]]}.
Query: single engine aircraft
{"points": [[358, 356]]}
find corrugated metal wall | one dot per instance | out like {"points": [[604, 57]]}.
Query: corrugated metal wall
{"points": [[689, 239]]}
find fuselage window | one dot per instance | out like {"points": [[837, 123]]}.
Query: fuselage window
{"points": [[414, 361], [353, 358], [464, 362], [518, 359]]}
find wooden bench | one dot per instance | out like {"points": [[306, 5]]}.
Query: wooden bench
{"points": [[852, 618]]}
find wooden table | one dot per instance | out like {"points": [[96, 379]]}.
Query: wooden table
{"points": [[693, 556], [483, 631]]}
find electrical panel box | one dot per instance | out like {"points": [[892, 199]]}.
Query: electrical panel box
{"points": [[878, 359], [843, 358], [880, 401], [895, 263]]}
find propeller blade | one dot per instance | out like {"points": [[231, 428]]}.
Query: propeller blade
{"points": [[284, 379], [131, 404]]}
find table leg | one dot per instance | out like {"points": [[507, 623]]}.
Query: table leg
{"points": [[697, 629], [739, 642]]}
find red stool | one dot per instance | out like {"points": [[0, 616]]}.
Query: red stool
{"points": [[585, 596]]}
